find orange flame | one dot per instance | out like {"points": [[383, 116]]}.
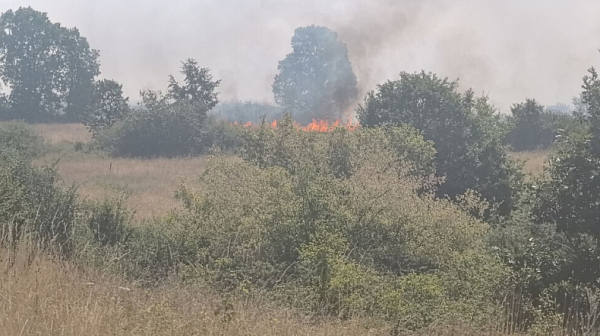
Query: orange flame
{"points": [[316, 125]]}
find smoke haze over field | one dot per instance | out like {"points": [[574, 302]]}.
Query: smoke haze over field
{"points": [[507, 48]]}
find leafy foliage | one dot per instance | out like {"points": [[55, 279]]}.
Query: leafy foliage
{"points": [[463, 129], [316, 80], [198, 89], [157, 130], [108, 221], [171, 125], [30, 200], [46, 66], [338, 153], [529, 131], [108, 106], [351, 233], [568, 198]]}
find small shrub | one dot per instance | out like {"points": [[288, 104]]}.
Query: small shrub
{"points": [[162, 247], [17, 136], [108, 221]]}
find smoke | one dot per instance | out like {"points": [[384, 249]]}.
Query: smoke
{"points": [[508, 49]]}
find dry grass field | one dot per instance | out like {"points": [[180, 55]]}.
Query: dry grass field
{"points": [[148, 184], [41, 295], [57, 133]]}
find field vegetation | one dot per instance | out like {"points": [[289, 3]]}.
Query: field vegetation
{"points": [[428, 218]]}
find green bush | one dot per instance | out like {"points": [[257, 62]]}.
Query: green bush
{"points": [[532, 127], [340, 152], [17, 136], [156, 131], [371, 241], [108, 220], [159, 248], [464, 129], [167, 131], [30, 200], [108, 106]]}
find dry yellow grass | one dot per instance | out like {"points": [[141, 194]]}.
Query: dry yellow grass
{"points": [[40, 295], [57, 133], [149, 184], [535, 161]]}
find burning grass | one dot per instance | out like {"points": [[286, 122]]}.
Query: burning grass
{"points": [[315, 125]]}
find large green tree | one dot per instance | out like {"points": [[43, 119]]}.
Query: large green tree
{"points": [[49, 69], [316, 79], [463, 128]]}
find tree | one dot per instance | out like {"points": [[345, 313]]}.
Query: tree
{"points": [[198, 89], [82, 68], [47, 67], [316, 80], [463, 128], [529, 130], [568, 196], [108, 106]]}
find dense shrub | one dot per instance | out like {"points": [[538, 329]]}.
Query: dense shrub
{"points": [[529, 130], [338, 152], [172, 125], [164, 130], [108, 220], [30, 200], [567, 197], [18, 137], [108, 106], [463, 128], [354, 234], [170, 131]]}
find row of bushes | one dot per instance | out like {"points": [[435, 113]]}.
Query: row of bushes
{"points": [[343, 223], [345, 220]]}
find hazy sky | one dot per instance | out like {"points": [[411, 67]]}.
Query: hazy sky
{"points": [[507, 48]]}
